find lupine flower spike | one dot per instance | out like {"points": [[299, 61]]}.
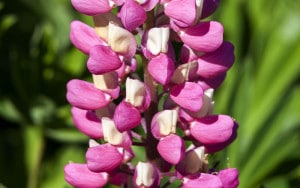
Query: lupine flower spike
{"points": [[154, 66]]}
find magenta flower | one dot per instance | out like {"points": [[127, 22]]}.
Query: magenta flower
{"points": [[154, 67]]}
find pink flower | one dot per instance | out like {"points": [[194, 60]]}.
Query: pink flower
{"points": [[204, 180], [92, 7], [229, 177]]}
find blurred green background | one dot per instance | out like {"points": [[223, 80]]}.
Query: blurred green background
{"points": [[262, 92]]}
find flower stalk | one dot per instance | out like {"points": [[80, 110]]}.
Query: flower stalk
{"points": [[179, 125]]}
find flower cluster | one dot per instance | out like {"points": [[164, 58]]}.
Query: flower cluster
{"points": [[154, 66]]}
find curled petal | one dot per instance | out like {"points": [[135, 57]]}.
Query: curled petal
{"points": [[126, 117], [164, 123], [171, 148], [217, 62], [85, 95], [87, 122], [161, 68], [146, 175], [132, 15], [92, 7], [84, 37], [185, 72], [213, 129], [229, 177], [121, 40], [103, 158], [108, 83], [204, 180], [204, 37], [80, 176], [102, 60], [110, 132], [187, 54], [188, 95]]}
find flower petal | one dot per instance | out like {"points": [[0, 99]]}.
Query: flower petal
{"points": [[209, 6], [87, 122], [108, 83], [103, 158], [204, 37], [84, 37], [126, 117], [188, 95], [92, 7], [164, 123], [85, 95], [80, 176], [132, 15], [103, 59], [171, 148], [146, 175], [182, 12], [217, 62], [213, 129], [161, 68]]}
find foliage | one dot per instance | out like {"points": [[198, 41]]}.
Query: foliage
{"points": [[37, 136]]}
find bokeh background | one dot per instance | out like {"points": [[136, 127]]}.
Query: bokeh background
{"points": [[261, 91]]}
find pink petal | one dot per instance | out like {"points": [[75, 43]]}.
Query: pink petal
{"points": [[132, 15], [171, 148], [161, 68], [205, 180], [103, 158], [209, 6], [217, 62], [205, 36], [187, 54], [103, 59], [84, 37], [183, 12], [126, 117], [91, 7], [212, 148], [82, 94], [80, 176], [229, 177], [87, 122], [188, 95], [213, 129]]}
